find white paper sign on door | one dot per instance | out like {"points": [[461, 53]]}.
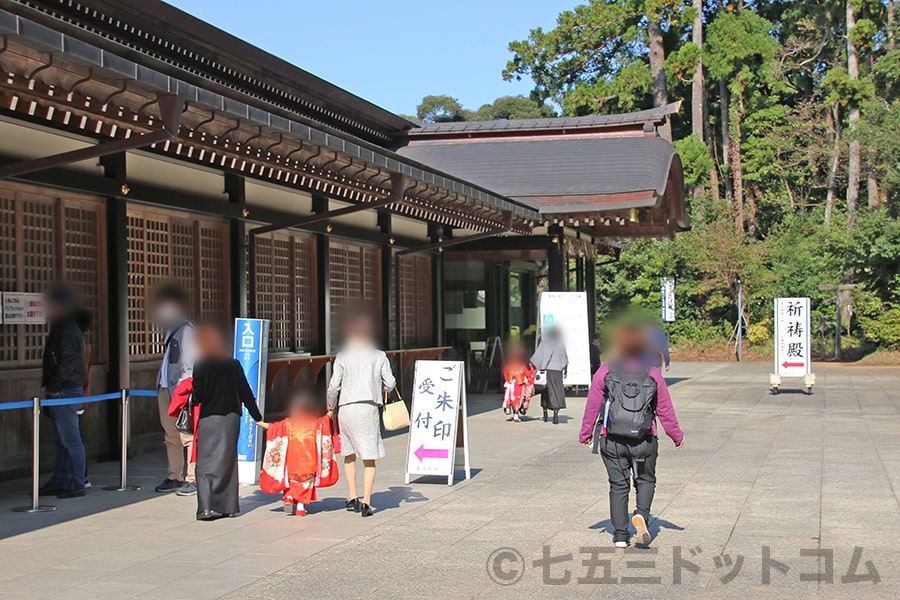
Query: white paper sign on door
{"points": [[792, 339], [14, 308]]}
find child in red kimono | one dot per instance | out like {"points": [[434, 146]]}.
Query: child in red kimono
{"points": [[518, 383], [299, 455]]}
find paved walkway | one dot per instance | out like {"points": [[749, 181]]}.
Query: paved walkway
{"points": [[786, 485]]}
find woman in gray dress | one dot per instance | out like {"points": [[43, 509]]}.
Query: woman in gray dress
{"points": [[551, 357], [362, 373]]}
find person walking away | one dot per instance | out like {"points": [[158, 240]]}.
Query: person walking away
{"points": [[619, 422], [170, 313], [518, 382], [362, 373], [63, 374], [85, 321], [221, 390], [656, 353], [551, 357]]}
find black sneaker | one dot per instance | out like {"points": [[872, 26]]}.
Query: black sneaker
{"points": [[168, 485], [74, 491], [50, 489]]}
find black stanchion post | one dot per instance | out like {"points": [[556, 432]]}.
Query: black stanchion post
{"points": [[123, 486], [35, 465]]}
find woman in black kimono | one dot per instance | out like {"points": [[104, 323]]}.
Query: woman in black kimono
{"points": [[221, 389], [551, 357]]}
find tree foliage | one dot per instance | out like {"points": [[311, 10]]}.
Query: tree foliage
{"points": [[801, 113]]}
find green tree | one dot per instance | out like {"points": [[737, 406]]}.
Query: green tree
{"points": [[440, 109]]}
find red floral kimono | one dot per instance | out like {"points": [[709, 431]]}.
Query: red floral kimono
{"points": [[299, 458], [518, 385]]}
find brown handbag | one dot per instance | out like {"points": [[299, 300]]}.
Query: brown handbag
{"points": [[394, 414]]}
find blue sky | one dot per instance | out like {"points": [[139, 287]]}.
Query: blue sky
{"points": [[391, 52]]}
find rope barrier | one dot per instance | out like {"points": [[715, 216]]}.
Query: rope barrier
{"points": [[36, 404], [48, 402]]}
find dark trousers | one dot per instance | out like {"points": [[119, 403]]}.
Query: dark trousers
{"points": [[66, 434], [626, 459]]}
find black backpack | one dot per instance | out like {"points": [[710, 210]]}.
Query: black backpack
{"points": [[630, 402]]}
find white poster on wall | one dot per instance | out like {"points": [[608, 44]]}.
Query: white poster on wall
{"points": [[569, 312], [14, 308], [792, 340], [35, 310]]}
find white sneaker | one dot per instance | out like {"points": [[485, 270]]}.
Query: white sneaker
{"points": [[642, 534], [87, 484], [620, 544]]}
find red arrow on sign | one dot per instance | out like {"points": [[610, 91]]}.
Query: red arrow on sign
{"points": [[422, 453], [787, 365]]}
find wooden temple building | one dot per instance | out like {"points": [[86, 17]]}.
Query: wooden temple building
{"points": [[139, 144]]}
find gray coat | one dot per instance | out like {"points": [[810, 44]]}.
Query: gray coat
{"points": [[360, 374], [550, 355]]}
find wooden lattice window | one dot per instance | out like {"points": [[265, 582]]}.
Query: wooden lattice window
{"points": [[414, 284], [354, 276], [171, 246], [286, 290], [46, 237]]}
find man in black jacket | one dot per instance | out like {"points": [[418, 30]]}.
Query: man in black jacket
{"points": [[64, 371]]}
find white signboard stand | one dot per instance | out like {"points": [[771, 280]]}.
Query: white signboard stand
{"points": [[667, 291], [568, 311], [438, 410], [792, 342]]}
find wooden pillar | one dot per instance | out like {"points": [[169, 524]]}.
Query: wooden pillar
{"points": [[118, 375], [323, 283], [235, 190], [390, 334], [590, 283], [556, 263], [436, 232]]}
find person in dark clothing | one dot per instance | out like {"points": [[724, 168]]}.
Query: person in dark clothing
{"points": [[63, 373], [221, 389], [656, 353], [595, 355]]}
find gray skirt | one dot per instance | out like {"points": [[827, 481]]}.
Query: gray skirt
{"points": [[217, 467], [554, 395], [360, 424]]}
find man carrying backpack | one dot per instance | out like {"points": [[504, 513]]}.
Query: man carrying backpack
{"points": [[620, 423]]}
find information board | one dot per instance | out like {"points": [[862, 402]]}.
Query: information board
{"points": [[437, 420], [15, 305], [792, 339], [569, 312], [667, 301], [35, 309], [251, 343]]}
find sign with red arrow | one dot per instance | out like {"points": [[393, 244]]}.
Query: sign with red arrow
{"points": [[792, 337], [437, 420]]}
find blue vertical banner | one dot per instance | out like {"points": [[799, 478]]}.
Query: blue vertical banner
{"points": [[251, 343]]}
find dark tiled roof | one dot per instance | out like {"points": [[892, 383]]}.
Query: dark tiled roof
{"points": [[553, 167], [652, 115]]}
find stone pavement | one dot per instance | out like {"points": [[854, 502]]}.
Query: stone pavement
{"points": [[787, 485]]}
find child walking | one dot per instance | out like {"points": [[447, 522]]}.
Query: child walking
{"points": [[299, 455], [518, 383]]}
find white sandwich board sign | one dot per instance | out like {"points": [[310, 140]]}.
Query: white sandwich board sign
{"points": [[438, 411]]}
